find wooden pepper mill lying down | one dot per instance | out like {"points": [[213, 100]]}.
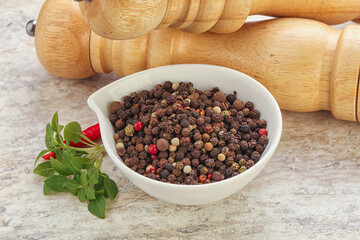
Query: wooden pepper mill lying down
{"points": [[116, 19], [306, 65]]}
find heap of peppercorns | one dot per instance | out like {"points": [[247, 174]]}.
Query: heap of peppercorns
{"points": [[178, 134]]}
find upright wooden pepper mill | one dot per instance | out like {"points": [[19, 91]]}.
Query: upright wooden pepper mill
{"points": [[305, 64], [116, 19]]}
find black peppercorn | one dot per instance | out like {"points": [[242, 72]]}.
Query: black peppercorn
{"points": [[195, 162], [259, 148], [255, 156], [180, 179], [188, 180], [185, 123], [252, 143], [221, 125], [162, 163], [249, 105], [244, 127], [263, 140], [216, 176], [249, 163], [228, 172], [214, 141], [179, 155], [177, 128], [210, 163], [155, 131], [164, 173], [169, 167], [229, 161]]}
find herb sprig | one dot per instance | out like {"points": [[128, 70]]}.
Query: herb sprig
{"points": [[75, 170]]}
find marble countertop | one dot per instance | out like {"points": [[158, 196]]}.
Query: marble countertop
{"points": [[310, 188]]}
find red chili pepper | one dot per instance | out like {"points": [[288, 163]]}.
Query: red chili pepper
{"points": [[49, 155], [92, 133]]}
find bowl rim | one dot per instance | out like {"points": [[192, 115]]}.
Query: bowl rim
{"points": [[112, 155]]}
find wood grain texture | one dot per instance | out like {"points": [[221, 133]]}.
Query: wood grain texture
{"points": [[129, 19], [344, 95], [116, 19], [297, 69], [327, 11], [62, 40], [301, 62], [233, 16]]}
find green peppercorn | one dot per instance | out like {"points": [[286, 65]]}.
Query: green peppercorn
{"points": [[242, 162], [235, 166], [221, 157], [191, 90], [225, 113], [242, 169], [129, 130]]}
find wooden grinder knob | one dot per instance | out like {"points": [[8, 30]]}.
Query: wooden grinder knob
{"points": [[116, 19], [305, 64]]}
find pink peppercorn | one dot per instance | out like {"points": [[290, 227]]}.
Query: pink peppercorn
{"points": [[138, 126], [202, 178], [263, 131], [151, 169], [152, 149]]}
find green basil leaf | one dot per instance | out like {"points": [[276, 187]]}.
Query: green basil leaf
{"points": [[59, 154], [97, 206], [56, 127], [55, 122], [88, 166], [71, 163], [100, 185], [89, 192], [58, 138], [83, 160], [71, 184], [84, 179], [101, 191], [55, 183], [44, 169], [60, 167], [43, 152], [110, 188], [74, 191], [49, 138], [81, 194], [47, 190], [93, 175], [72, 132], [77, 177]]}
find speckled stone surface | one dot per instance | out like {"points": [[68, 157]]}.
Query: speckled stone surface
{"points": [[309, 190]]}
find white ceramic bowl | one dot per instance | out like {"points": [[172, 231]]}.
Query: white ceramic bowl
{"points": [[203, 77]]}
